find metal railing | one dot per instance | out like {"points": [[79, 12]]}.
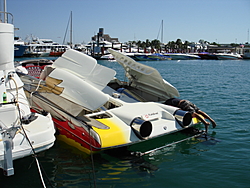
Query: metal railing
{"points": [[6, 17]]}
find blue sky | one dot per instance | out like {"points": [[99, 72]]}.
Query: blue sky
{"points": [[221, 21]]}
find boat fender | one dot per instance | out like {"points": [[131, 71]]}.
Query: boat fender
{"points": [[141, 128], [184, 118]]}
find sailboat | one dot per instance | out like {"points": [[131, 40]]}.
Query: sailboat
{"points": [[22, 132]]}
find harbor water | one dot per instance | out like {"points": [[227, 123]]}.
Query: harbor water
{"points": [[221, 88]]}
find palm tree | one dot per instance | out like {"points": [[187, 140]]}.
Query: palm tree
{"points": [[171, 46], [156, 44], [148, 43], [138, 43], [178, 44], [185, 46], [143, 44]]}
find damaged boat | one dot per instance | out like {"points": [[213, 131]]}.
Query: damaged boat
{"points": [[95, 111]]}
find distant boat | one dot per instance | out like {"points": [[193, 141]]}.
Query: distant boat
{"points": [[246, 53], [79, 47], [150, 57], [98, 49], [107, 57], [182, 56], [224, 56], [19, 47], [45, 47], [206, 55], [105, 44]]}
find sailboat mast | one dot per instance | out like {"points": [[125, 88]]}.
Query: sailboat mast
{"points": [[162, 31], [69, 25], [71, 43], [248, 35]]}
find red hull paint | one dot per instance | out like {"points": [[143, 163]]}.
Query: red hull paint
{"points": [[78, 134], [56, 53]]}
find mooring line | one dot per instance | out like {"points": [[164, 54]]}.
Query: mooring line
{"points": [[168, 145]]}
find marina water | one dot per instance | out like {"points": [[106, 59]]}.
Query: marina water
{"points": [[219, 87]]}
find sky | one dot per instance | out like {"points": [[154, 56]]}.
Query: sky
{"points": [[220, 21]]}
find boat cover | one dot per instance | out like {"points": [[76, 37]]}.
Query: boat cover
{"points": [[86, 68], [144, 77], [78, 78]]}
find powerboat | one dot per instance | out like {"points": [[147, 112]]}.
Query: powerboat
{"points": [[23, 133], [182, 56], [44, 48], [206, 55], [227, 56], [33, 67], [95, 111], [19, 47], [150, 57]]}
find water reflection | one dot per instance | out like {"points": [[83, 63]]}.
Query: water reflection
{"points": [[68, 167], [120, 166]]}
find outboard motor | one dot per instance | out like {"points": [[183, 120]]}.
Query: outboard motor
{"points": [[184, 118], [141, 128]]}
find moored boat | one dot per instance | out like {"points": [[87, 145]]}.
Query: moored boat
{"points": [[44, 48], [181, 56], [107, 57], [34, 67], [150, 57], [227, 56], [246, 53], [19, 47], [23, 133], [206, 55], [95, 111]]}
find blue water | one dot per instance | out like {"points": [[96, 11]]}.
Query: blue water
{"points": [[220, 88]]}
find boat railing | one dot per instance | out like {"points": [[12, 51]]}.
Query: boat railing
{"points": [[6, 17]]}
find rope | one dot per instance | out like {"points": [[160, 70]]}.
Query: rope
{"points": [[39, 170], [26, 136], [31, 94], [15, 85], [168, 145], [92, 159]]}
